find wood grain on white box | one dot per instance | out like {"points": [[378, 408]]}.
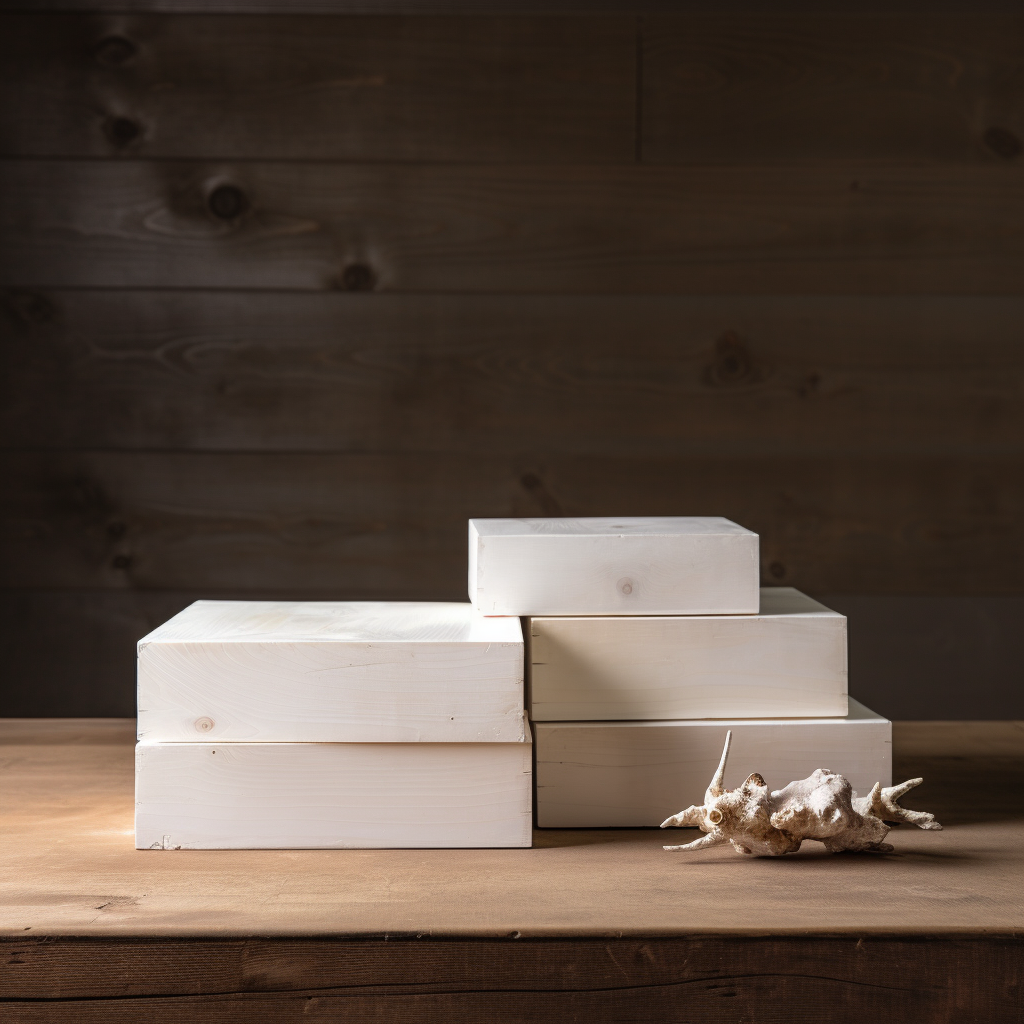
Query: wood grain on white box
{"points": [[219, 796], [787, 661], [592, 774], [673, 565], [332, 671]]}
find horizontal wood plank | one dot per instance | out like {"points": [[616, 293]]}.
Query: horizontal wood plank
{"points": [[623, 980], [502, 89], [70, 969], [615, 375], [390, 526], [790, 88], [489, 7], [846, 229]]}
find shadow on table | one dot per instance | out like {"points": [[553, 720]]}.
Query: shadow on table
{"points": [[965, 791], [957, 790]]}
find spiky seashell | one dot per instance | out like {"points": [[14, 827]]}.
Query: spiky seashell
{"points": [[823, 807]]}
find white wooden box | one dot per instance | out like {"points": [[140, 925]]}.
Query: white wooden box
{"points": [[236, 796], [592, 774], [787, 661], [332, 671], [613, 566]]}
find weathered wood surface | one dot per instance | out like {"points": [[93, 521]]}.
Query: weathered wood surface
{"points": [[612, 375], [508, 89], [846, 228], [769, 87], [862, 164], [71, 866], [492, 7], [389, 526], [774, 87], [946, 981]]}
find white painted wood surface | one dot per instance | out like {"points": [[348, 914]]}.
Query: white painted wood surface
{"points": [[592, 774], [236, 796], [787, 661], [613, 566], [332, 671]]}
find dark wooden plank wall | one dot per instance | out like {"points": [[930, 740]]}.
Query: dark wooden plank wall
{"points": [[287, 298]]}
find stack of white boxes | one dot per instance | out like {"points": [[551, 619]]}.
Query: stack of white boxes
{"points": [[332, 724], [649, 638], [398, 724]]}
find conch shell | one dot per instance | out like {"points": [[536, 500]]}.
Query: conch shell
{"points": [[823, 807]]}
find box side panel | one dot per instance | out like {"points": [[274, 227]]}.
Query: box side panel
{"points": [[474, 565], [623, 775], [332, 796], [623, 575], [670, 667], [331, 692]]}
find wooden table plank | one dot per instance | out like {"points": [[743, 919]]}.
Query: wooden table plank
{"points": [[71, 868], [314, 88], [776, 980], [835, 228]]}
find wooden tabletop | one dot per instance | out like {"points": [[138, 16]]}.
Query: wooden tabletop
{"points": [[71, 869]]}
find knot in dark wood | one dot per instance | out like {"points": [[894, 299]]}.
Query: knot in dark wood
{"points": [[227, 202], [114, 50], [29, 308], [732, 363], [122, 561], [358, 277], [121, 130], [1002, 142], [777, 569]]}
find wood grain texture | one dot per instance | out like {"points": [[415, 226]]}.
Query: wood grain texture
{"points": [[630, 565], [332, 672], [622, 980], [787, 661], [637, 774], [488, 7], [485, 89], [355, 527], [840, 229], [792, 88], [625, 979], [611, 375], [72, 868], [338, 796]]}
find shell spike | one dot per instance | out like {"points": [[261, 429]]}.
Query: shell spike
{"points": [[716, 786]]}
